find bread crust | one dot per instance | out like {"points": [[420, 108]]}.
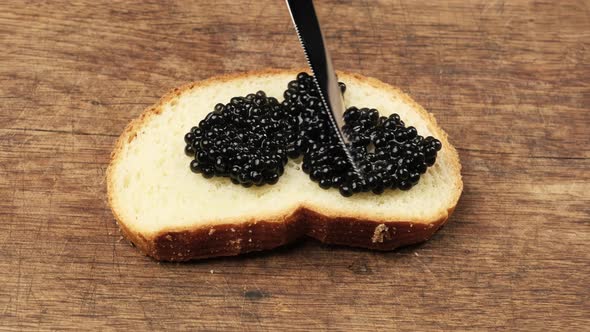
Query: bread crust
{"points": [[233, 238]]}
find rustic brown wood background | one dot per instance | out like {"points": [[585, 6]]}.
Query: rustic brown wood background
{"points": [[508, 80]]}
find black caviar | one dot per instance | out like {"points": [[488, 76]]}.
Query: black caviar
{"points": [[251, 138], [389, 154], [246, 140]]}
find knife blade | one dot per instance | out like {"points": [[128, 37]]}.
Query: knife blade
{"points": [[313, 43]]}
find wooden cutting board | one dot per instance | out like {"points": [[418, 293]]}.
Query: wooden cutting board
{"points": [[508, 80]]}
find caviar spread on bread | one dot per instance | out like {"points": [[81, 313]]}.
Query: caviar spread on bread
{"points": [[270, 144], [251, 139]]}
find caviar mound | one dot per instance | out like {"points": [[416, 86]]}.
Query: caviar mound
{"points": [[302, 100], [246, 140], [389, 155]]}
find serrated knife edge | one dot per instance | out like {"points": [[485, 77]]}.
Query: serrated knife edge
{"points": [[307, 5]]}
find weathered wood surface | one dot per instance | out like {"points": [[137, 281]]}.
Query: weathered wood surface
{"points": [[508, 80]]}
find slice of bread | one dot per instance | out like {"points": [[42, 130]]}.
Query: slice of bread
{"points": [[173, 214]]}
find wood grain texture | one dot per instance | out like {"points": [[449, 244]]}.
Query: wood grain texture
{"points": [[508, 80]]}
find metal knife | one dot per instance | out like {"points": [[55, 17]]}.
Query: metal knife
{"points": [[314, 46]]}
